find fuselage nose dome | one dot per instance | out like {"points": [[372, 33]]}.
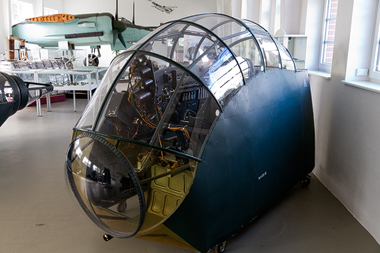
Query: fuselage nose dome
{"points": [[105, 185]]}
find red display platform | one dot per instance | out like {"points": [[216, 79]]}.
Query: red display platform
{"points": [[54, 98]]}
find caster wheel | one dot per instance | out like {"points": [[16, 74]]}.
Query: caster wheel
{"points": [[107, 237], [306, 180], [122, 206], [93, 60], [221, 247]]}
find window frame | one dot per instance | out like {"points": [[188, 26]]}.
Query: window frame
{"points": [[374, 75], [323, 66], [19, 3]]}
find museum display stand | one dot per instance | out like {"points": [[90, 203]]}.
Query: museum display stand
{"points": [[84, 79], [31, 75], [296, 44]]}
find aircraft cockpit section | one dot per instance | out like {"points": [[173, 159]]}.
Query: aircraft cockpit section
{"points": [[155, 119], [189, 111], [159, 104]]}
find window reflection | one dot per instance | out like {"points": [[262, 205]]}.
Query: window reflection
{"points": [[189, 120], [270, 51], [151, 94], [286, 59], [88, 118], [248, 55], [105, 185], [139, 99], [6, 93]]}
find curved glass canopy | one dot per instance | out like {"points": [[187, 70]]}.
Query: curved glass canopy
{"points": [[138, 143]]}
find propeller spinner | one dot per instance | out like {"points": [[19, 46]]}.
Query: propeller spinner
{"points": [[118, 27]]}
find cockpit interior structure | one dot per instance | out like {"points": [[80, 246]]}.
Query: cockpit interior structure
{"points": [[194, 131]]}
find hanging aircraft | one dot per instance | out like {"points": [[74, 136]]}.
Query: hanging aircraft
{"points": [[15, 94], [193, 132], [81, 30], [163, 8]]}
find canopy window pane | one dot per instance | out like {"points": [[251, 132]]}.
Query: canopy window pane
{"points": [[188, 121], [88, 118], [286, 58], [139, 99], [248, 54], [219, 71], [270, 51]]}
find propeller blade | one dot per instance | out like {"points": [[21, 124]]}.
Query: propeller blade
{"points": [[117, 10], [114, 33], [120, 36], [133, 17]]}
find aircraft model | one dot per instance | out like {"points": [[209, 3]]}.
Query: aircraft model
{"points": [[81, 30], [15, 94], [163, 8], [193, 132]]}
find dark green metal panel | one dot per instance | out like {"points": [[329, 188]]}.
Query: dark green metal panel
{"points": [[262, 144], [5, 111]]}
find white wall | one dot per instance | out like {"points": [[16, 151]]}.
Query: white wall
{"points": [[348, 118], [291, 12], [224, 6], [54, 4], [145, 13], [6, 25], [288, 15], [265, 14], [236, 8], [253, 10]]}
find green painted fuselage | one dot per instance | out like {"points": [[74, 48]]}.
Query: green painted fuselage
{"points": [[84, 30]]}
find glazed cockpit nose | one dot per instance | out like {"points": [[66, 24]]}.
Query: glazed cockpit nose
{"points": [[105, 185]]}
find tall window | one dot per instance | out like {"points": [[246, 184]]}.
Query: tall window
{"points": [[21, 11], [329, 32], [377, 66], [374, 72], [377, 42]]}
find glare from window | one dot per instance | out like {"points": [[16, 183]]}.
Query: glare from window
{"points": [[244, 9], [374, 73], [21, 11], [378, 61], [377, 64]]}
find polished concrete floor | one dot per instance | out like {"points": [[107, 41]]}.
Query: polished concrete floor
{"points": [[38, 214]]}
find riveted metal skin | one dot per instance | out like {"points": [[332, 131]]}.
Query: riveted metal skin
{"points": [[262, 145]]}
